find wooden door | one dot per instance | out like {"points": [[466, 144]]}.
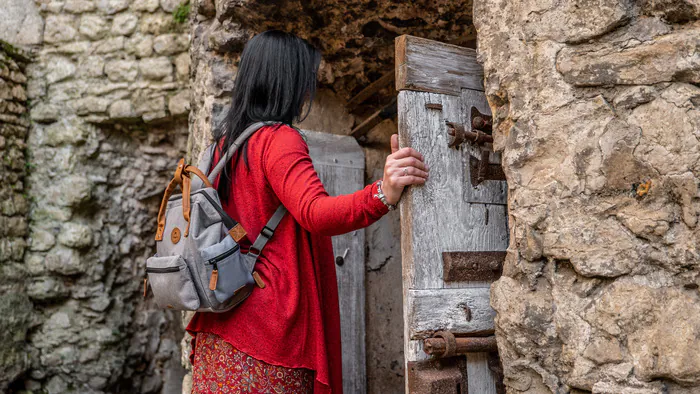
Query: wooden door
{"points": [[340, 163], [453, 228]]}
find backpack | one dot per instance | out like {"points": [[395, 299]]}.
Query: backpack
{"points": [[198, 265]]}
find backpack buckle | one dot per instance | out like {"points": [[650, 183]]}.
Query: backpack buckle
{"points": [[267, 232], [254, 252]]}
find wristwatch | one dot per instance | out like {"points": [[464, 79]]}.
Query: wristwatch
{"points": [[380, 195]]}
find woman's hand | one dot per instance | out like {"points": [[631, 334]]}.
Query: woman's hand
{"points": [[404, 167]]}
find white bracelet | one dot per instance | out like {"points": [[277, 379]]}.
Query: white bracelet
{"points": [[380, 195]]}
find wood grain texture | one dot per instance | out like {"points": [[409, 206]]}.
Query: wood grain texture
{"points": [[480, 378], [447, 214], [435, 217], [339, 162], [446, 309], [371, 90], [432, 66]]}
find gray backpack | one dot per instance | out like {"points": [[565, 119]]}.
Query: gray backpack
{"points": [[198, 264]]}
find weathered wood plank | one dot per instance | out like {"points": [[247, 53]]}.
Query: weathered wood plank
{"points": [[340, 163], [438, 217], [435, 217], [432, 66], [461, 311], [389, 111], [370, 90], [480, 378]]}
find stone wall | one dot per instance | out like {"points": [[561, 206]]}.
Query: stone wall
{"points": [[596, 109], [108, 94], [15, 307]]}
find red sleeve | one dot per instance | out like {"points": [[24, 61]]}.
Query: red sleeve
{"points": [[291, 174]]}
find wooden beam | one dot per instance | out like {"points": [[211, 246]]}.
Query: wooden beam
{"points": [[432, 66], [370, 90], [389, 111], [460, 311]]}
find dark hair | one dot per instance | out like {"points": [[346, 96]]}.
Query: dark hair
{"points": [[276, 77]]}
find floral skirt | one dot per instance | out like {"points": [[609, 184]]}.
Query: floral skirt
{"points": [[220, 368]]}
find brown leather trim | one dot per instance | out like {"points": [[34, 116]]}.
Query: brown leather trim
{"points": [[186, 207], [258, 280], [163, 205], [213, 280], [182, 177], [237, 232], [196, 171]]}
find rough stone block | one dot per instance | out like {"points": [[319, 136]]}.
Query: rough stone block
{"points": [[71, 48], [90, 105], [675, 11], [179, 104], [108, 45], [79, 6], [16, 311], [21, 23], [59, 28], [170, 5], [122, 109], [140, 45], [41, 240], [92, 66], [45, 112], [170, 44], [73, 190], [603, 350], [156, 68], [144, 5], [157, 23], [75, 235], [121, 70], [182, 66], [47, 288], [67, 90], [93, 27], [65, 261], [110, 7], [672, 57], [124, 24]]}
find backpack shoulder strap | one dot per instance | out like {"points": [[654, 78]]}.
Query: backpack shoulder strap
{"points": [[234, 147], [204, 165], [267, 232]]}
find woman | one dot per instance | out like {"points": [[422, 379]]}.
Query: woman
{"points": [[285, 338]]}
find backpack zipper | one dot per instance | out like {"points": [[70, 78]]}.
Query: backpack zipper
{"points": [[156, 271], [220, 257], [162, 270], [215, 271]]}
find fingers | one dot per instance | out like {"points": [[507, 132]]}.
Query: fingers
{"points": [[405, 171], [394, 143], [406, 152], [410, 180], [410, 162]]}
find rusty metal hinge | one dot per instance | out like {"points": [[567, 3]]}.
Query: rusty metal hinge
{"points": [[481, 169], [472, 266]]}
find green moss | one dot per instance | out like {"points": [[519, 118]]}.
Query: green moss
{"points": [[15, 52], [182, 12]]}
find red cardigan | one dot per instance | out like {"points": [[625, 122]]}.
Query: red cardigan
{"points": [[294, 321]]}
